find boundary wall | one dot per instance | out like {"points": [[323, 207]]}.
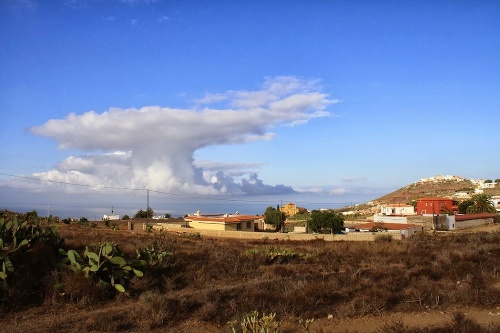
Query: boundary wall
{"points": [[350, 236]]}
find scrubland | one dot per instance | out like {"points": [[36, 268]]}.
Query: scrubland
{"points": [[201, 284]]}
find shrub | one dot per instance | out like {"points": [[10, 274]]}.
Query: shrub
{"points": [[103, 262], [383, 238], [17, 239], [251, 323]]}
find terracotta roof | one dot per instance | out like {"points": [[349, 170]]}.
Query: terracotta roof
{"points": [[224, 219], [397, 205], [388, 226], [434, 198], [465, 217]]}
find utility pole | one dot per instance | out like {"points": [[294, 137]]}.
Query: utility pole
{"points": [[147, 208]]}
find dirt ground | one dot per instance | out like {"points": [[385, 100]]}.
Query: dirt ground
{"points": [[69, 318]]}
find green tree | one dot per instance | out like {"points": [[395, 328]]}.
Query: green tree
{"points": [[142, 214], [488, 181], [126, 217], [326, 221], [482, 204], [167, 216], [274, 217], [462, 207], [497, 180]]}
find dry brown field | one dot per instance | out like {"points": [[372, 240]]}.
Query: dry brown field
{"points": [[430, 283]]}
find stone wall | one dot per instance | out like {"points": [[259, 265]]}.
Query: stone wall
{"points": [[473, 223], [427, 223]]}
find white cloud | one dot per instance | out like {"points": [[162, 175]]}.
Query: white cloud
{"points": [[339, 191], [153, 147]]}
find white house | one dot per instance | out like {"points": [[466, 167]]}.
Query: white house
{"points": [[397, 209]]}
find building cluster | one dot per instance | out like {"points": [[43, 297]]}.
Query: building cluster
{"points": [[428, 213], [433, 213], [479, 183]]}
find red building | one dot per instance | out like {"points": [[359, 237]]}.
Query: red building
{"points": [[436, 206]]}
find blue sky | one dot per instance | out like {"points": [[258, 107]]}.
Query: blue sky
{"points": [[320, 102]]}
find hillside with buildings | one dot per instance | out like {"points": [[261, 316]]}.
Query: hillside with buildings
{"points": [[454, 187]]}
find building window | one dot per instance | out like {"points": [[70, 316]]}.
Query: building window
{"points": [[238, 226], [249, 225]]}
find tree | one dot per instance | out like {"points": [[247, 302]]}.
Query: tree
{"points": [[462, 207], [488, 181], [126, 217], [274, 217], [482, 204], [326, 221], [497, 180], [142, 214], [167, 216]]}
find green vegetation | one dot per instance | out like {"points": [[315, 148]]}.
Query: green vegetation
{"points": [[326, 221], [464, 205], [274, 217], [103, 263], [481, 204], [18, 238], [142, 214]]}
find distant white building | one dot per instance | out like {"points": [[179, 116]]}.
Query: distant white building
{"points": [[397, 209], [496, 202], [110, 217]]}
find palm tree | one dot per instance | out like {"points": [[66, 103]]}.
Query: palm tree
{"points": [[482, 204]]}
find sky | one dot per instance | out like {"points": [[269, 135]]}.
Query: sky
{"points": [[225, 106]]}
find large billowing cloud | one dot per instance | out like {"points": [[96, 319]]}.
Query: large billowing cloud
{"points": [[153, 147]]}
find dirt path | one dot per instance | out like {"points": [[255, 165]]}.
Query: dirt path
{"points": [[68, 318], [421, 319]]}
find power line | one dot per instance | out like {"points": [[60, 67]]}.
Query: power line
{"points": [[170, 193], [73, 184]]}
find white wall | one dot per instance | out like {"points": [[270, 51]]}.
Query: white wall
{"points": [[390, 219]]}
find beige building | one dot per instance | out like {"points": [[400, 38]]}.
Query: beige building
{"points": [[290, 209], [225, 222]]}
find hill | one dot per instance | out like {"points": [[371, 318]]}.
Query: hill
{"points": [[456, 188]]}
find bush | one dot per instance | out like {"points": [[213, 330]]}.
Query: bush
{"points": [[383, 238], [251, 323]]}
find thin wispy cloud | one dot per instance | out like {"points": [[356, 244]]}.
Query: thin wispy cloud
{"points": [[353, 179], [153, 147], [135, 2], [163, 19], [30, 5]]}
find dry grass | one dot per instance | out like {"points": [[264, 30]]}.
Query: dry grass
{"points": [[218, 280]]}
